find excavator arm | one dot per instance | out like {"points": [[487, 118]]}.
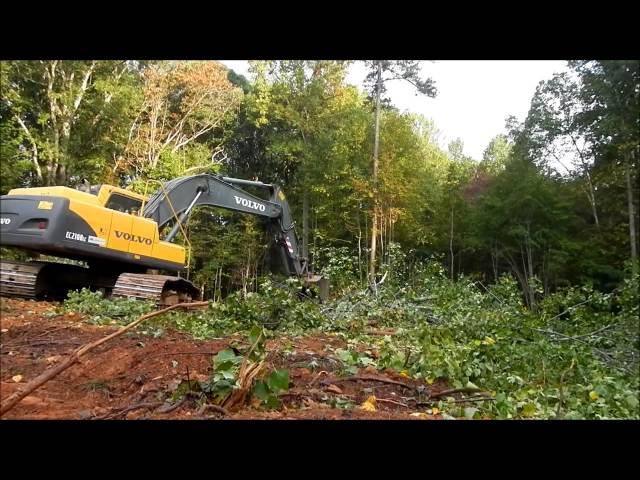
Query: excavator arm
{"points": [[177, 198]]}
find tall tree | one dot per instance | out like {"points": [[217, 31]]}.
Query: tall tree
{"points": [[49, 106], [555, 135], [183, 102], [611, 120], [297, 102], [381, 71]]}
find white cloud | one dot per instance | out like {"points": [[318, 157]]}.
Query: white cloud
{"points": [[474, 96]]}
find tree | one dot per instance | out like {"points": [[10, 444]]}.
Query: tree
{"points": [[524, 218], [555, 135], [456, 150], [611, 120], [60, 113], [183, 102], [381, 71], [496, 155]]}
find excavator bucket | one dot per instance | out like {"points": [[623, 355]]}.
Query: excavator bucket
{"points": [[320, 282]]}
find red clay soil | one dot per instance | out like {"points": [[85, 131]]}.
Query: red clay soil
{"points": [[136, 370]]}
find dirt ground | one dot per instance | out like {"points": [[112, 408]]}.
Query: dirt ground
{"points": [[136, 370]]}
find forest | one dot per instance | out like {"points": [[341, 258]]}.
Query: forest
{"points": [[515, 274]]}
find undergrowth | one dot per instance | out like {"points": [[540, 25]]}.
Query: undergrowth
{"points": [[575, 357]]}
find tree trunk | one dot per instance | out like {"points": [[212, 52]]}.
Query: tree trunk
{"points": [[632, 218], [494, 262], [61, 174], [521, 276], [592, 192], [592, 200], [376, 143], [359, 250], [34, 150], [451, 245], [527, 266], [305, 223]]}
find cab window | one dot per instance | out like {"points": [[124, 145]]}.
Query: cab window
{"points": [[124, 204]]}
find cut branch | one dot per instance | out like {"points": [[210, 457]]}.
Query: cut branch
{"points": [[47, 375], [370, 378], [455, 390]]}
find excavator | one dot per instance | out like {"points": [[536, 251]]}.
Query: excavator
{"points": [[122, 243]]}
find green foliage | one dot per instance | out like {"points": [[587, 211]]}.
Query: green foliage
{"points": [[340, 264], [267, 390], [103, 311], [537, 365], [275, 306], [227, 365]]}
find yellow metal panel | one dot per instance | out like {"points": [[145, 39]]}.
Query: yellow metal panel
{"points": [[64, 192], [98, 218], [169, 252], [120, 231], [143, 235]]}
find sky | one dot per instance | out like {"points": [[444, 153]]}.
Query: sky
{"points": [[474, 96]]}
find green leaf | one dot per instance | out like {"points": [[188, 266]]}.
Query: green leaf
{"points": [[261, 391], [469, 412], [255, 334], [351, 370], [278, 380], [344, 355], [224, 356], [632, 401], [529, 410], [272, 402]]}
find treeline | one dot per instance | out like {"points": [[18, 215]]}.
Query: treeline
{"points": [[553, 201]]}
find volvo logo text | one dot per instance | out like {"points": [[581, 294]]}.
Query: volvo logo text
{"points": [[5, 221], [133, 238], [249, 203]]}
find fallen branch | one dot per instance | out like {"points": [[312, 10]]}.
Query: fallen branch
{"points": [[182, 353], [370, 378], [42, 343], [381, 332], [576, 339], [128, 409], [460, 400], [216, 408], [47, 375], [569, 309], [292, 394], [318, 376], [388, 400], [591, 333], [64, 327], [455, 390], [172, 407]]}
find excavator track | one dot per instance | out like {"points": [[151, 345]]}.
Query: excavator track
{"points": [[162, 289], [49, 280], [19, 279]]}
